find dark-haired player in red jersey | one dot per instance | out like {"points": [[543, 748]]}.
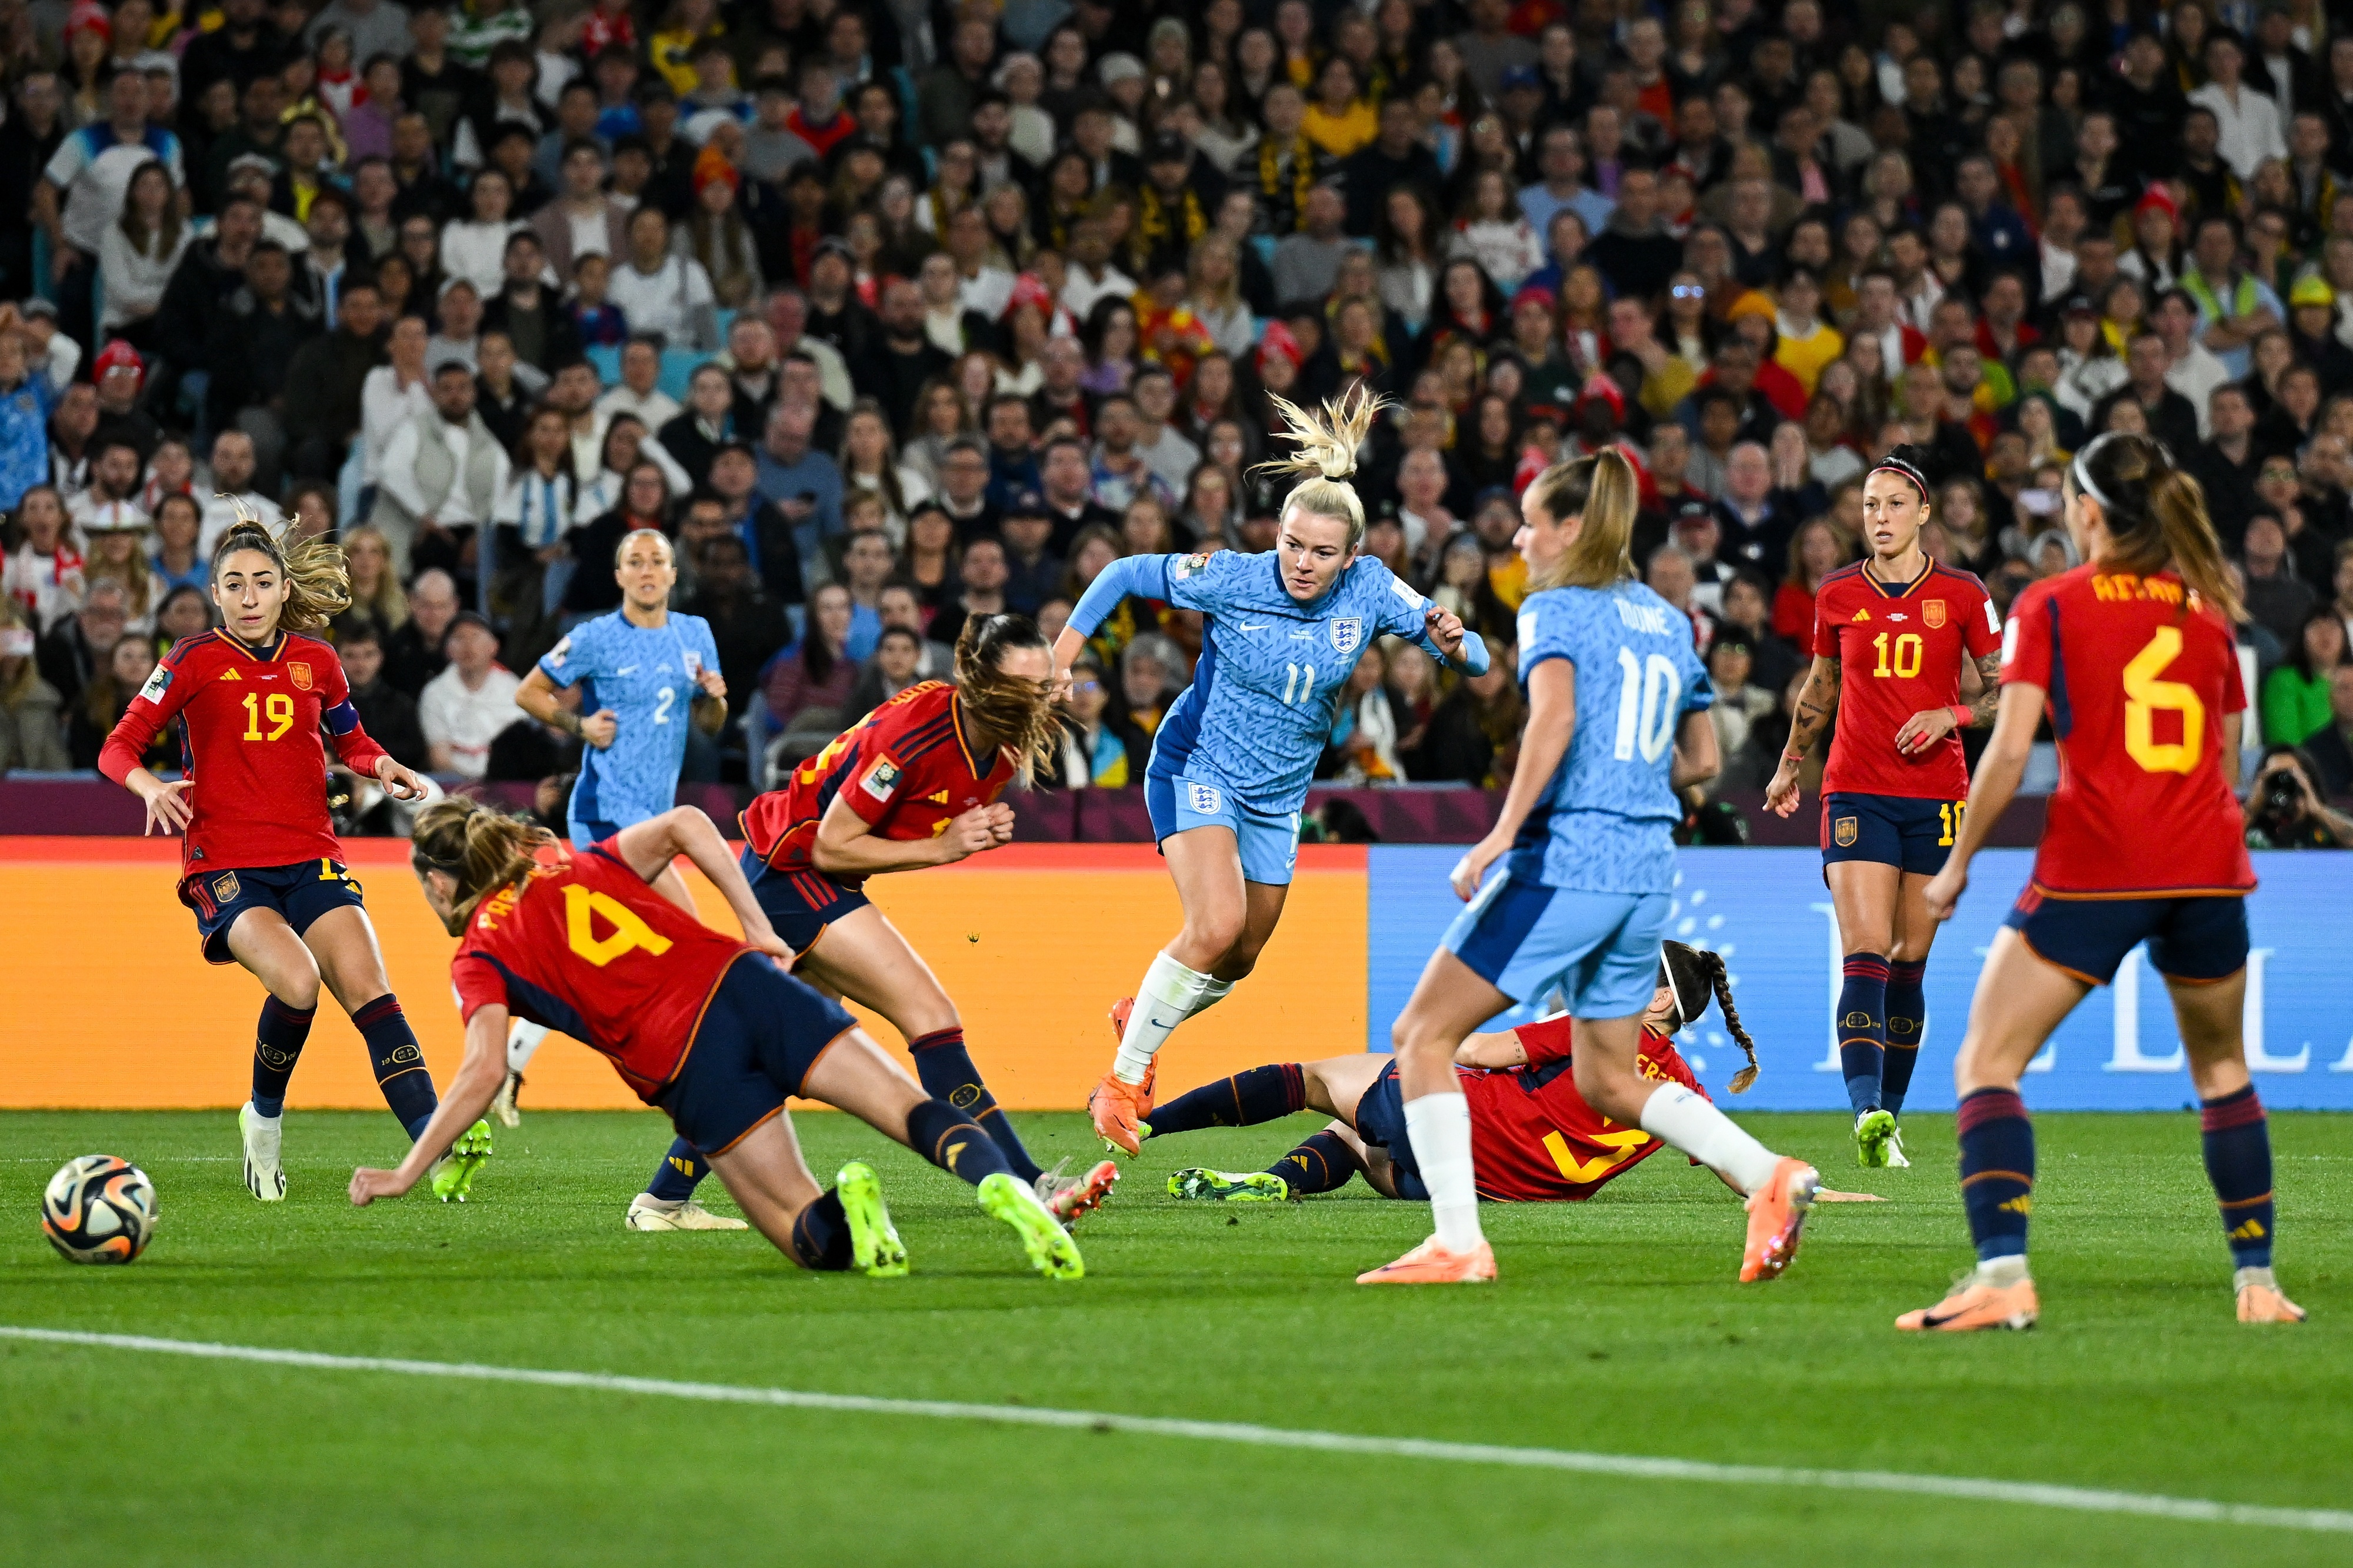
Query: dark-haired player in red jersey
{"points": [[914, 783], [2133, 656], [696, 1022], [261, 866], [1892, 634]]}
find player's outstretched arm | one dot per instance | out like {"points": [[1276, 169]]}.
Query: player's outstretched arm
{"points": [[470, 1092], [1816, 700], [1496, 1050], [848, 845], [1129, 574], [650, 845], [539, 697], [1552, 721], [1990, 791]]}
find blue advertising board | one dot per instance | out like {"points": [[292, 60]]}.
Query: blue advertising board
{"points": [[1768, 913]]}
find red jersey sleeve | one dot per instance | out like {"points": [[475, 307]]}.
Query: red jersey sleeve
{"points": [[477, 982], [1981, 625], [353, 744], [2026, 644], [1826, 624], [872, 787], [1545, 1041], [2234, 689], [174, 680]]}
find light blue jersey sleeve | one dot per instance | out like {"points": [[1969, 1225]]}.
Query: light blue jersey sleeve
{"points": [[1144, 575], [695, 633], [582, 654], [1406, 613]]}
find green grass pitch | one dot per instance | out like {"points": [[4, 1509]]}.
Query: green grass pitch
{"points": [[1616, 1328]]}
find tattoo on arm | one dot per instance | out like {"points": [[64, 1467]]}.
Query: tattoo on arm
{"points": [[1816, 700], [1982, 710]]}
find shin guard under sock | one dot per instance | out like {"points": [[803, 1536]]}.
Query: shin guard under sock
{"points": [[1907, 1022], [944, 1069], [398, 1061], [277, 1046], [2238, 1146], [955, 1142], [1862, 1029], [1997, 1171]]}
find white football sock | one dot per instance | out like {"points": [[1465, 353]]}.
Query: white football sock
{"points": [[1169, 994], [1680, 1118], [523, 1039], [2000, 1272], [1213, 991], [1438, 1127]]}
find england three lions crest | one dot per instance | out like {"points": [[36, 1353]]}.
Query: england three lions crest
{"points": [[1347, 634]]}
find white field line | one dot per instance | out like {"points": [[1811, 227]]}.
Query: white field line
{"points": [[2081, 1500]]}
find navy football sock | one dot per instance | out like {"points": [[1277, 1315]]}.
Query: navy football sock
{"points": [[1245, 1100], [2237, 1143], [1997, 1171], [1907, 1023], [955, 1142], [681, 1172], [1321, 1164], [277, 1046], [944, 1069], [821, 1234], [1862, 1029], [399, 1063]]}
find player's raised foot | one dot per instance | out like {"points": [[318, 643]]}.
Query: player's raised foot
{"points": [[1873, 1130], [507, 1104], [2262, 1301], [1119, 1110], [453, 1175], [1006, 1198], [1777, 1216], [1896, 1159], [1229, 1186], [875, 1249], [1974, 1304], [647, 1212], [1068, 1198], [1431, 1264], [263, 1176]]}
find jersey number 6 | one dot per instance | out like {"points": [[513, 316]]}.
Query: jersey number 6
{"points": [[2145, 695], [1647, 689]]}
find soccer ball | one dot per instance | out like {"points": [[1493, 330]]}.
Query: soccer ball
{"points": [[98, 1209]]}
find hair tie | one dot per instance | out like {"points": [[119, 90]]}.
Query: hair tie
{"points": [[1893, 464], [2082, 469]]}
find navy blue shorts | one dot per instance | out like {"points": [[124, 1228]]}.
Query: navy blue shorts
{"points": [[2195, 941], [800, 904], [761, 1034], [300, 892], [1380, 1119], [1903, 831]]}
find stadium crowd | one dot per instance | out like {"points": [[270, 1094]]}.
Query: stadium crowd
{"points": [[891, 314]]}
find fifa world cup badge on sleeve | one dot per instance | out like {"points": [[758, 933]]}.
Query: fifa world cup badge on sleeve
{"points": [[1347, 634], [1932, 613], [1189, 566], [157, 684], [880, 779]]}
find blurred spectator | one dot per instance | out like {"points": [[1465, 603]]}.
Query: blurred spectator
{"points": [[389, 713], [747, 624], [31, 738], [2284, 806], [468, 705]]}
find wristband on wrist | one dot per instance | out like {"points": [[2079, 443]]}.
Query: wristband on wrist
{"points": [[1793, 756], [1960, 713]]}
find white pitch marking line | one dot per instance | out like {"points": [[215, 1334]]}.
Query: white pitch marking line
{"points": [[2081, 1500]]}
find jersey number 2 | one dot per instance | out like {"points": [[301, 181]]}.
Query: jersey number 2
{"points": [[277, 710], [581, 908], [1647, 689], [2146, 697]]}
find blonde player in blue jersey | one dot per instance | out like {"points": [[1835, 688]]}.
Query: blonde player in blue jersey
{"points": [[1616, 725], [644, 672], [1231, 761]]}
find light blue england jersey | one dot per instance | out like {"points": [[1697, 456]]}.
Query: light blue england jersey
{"points": [[1605, 821], [1257, 716], [646, 675]]}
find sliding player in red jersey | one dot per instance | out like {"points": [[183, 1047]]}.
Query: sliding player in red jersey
{"points": [[259, 863], [1891, 634], [914, 784], [696, 1022], [2133, 656], [1534, 1139]]}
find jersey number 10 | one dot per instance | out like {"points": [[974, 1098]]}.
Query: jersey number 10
{"points": [[1647, 689]]}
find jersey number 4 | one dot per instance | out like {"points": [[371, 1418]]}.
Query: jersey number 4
{"points": [[2146, 697], [1624, 1145], [1647, 689], [582, 906]]}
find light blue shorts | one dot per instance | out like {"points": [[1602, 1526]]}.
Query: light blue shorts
{"points": [[1269, 840], [1600, 949]]}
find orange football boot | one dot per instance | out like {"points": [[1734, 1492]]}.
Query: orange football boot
{"points": [[1118, 1110], [1776, 1214], [2265, 1304], [1431, 1264], [1976, 1305]]}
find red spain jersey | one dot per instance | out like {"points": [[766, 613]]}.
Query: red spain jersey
{"points": [[905, 769], [2136, 683], [249, 725], [1532, 1137], [584, 945], [1900, 650]]}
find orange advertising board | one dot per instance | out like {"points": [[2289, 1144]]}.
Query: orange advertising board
{"points": [[110, 1005]]}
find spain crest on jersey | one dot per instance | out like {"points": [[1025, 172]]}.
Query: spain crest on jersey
{"points": [[299, 674], [1347, 634], [1845, 831], [1932, 613], [224, 887]]}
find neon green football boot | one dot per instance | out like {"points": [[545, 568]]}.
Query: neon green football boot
{"points": [[1874, 1130], [452, 1174], [1052, 1251], [875, 1249], [1228, 1186]]}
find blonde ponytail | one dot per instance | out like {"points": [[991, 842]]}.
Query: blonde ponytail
{"points": [[1326, 454], [318, 583], [479, 847], [2178, 503], [1602, 491]]}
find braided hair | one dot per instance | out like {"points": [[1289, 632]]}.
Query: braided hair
{"points": [[1690, 977]]}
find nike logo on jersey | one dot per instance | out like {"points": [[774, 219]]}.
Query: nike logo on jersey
{"points": [[627, 669], [1246, 626]]}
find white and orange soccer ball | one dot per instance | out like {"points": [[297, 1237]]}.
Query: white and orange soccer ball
{"points": [[98, 1209]]}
